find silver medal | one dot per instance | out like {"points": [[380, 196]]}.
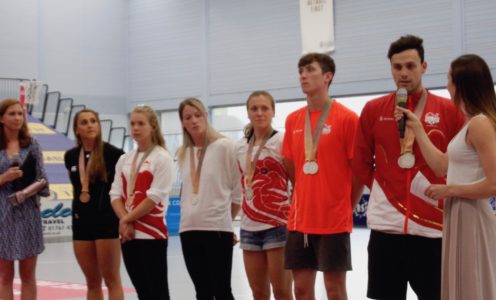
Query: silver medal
{"points": [[249, 193], [195, 199], [310, 167], [406, 160]]}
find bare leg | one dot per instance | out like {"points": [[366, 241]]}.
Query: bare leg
{"points": [[108, 254], [6, 279], [280, 278], [258, 277], [335, 284], [85, 252], [27, 271], [304, 283]]}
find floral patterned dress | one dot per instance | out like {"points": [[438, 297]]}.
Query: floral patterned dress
{"points": [[21, 235]]}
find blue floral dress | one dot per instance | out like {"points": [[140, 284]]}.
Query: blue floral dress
{"points": [[21, 235]]}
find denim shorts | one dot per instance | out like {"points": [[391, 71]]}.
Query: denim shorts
{"points": [[263, 240]]}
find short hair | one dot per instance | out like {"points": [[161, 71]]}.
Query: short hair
{"points": [[407, 42], [325, 62]]}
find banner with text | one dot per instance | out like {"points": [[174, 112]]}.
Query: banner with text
{"points": [[317, 26]]}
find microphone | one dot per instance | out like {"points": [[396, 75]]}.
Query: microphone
{"points": [[15, 160], [401, 98]]}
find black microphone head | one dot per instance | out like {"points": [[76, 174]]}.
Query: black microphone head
{"points": [[401, 97], [15, 160]]}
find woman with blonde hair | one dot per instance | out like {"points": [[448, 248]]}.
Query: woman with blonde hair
{"points": [[21, 236], [210, 199], [140, 196], [469, 229], [95, 227]]}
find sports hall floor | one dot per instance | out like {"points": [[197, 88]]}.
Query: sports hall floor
{"points": [[59, 276]]}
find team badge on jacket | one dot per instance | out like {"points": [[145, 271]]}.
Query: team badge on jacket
{"points": [[432, 118]]}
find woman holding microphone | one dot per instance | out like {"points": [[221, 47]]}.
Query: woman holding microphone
{"points": [[21, 236]]}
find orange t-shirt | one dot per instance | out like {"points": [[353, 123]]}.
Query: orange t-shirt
{"points": [[321, 203]]}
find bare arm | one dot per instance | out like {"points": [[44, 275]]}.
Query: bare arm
{"points": [[356, 191], [436, 159], [290, 169], [235, 209], [482, 136], [146, 206]]}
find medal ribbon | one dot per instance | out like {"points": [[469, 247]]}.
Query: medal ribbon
{"points": [[406, 143], [312, 140], [250, 165], [134, 174], [84, 176], [195, 172], [407, 146]]}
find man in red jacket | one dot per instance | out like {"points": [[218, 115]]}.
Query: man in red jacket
{"points": [[405, 239]]}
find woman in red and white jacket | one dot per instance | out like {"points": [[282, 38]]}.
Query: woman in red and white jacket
{"points": [[140, 194]]}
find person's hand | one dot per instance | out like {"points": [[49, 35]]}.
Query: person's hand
{"points": [[438, 191], [11, 174], [235, 239], [412, 120], [126, 231]]}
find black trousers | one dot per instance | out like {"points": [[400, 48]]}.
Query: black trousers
{"points": [[146, 264], [208, 257]]}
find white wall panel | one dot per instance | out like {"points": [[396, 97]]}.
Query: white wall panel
{"points": [[253, 45], [19, 38], [166, 45], [480, 30]]}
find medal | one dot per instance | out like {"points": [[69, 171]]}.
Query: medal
{"points": [[84, 175], [310, 167], [249, 193], [312, 138], [195, 199], [406, 160], [84, 197]]}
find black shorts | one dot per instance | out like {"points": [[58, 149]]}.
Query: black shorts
{"points": [[398, 259], [321, 252], [86, 228]]}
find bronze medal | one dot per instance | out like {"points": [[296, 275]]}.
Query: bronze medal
{"points": [[84, 197]]}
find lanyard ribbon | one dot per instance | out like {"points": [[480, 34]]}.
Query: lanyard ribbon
{"points": [[312, 140], [134, 174]]}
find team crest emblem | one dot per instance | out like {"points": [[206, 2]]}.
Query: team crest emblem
{"points": [[326, 129], [432, 118]]}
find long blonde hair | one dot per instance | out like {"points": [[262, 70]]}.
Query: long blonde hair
{"points": [[151, 116], [97, 167], [211, 134]]}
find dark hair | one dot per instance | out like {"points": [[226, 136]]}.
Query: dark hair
{"points": [[24, 137], [97, 167], [248, 130], [325, 62], [407, 42], [474, 85]]}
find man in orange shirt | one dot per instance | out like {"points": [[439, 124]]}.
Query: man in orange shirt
{"points": [[317, 149]]}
